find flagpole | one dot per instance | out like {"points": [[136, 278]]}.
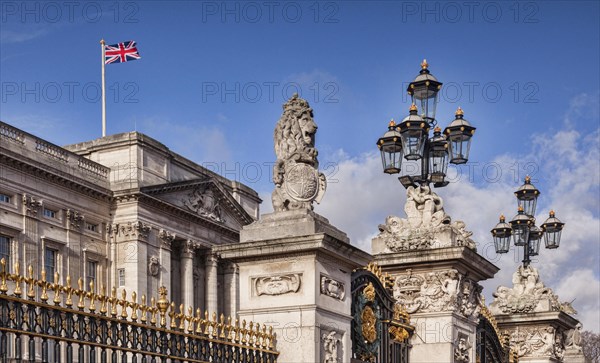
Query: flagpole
{"points": [[103, 91]]}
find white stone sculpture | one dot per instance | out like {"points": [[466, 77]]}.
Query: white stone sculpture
{"points": [[277, 285], [537, 341], [462, 348], [332, 288], [573, 339], [427, 224], [204, 202], [438, 291], [528, 294], [297, 180], [153, 265], [330, 348]]}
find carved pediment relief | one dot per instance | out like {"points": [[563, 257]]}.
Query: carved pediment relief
{"points": [[205, 198]]}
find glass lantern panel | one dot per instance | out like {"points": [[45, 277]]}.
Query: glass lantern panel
{"points": [[534, 247], [552, 239], [459, 149], [528, 205], [520, 235], [502, 244], [426, 100], [413, 142]]}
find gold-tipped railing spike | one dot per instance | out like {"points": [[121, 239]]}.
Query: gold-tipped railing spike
{"points": [[222, 326], [271, 338], [243, 332], [113, 302], [69, 290], [123, 302], [229, 329], [30, 281], [103, 300], [92, 297], [3, 273], [134, 306], [17, 280], [198, 321], [190, 320], [81, 293], [57, 291], [144, 309], [181, 317], [44, 285], [172, 314], [153, 311], [236, 337], [206, 322]]}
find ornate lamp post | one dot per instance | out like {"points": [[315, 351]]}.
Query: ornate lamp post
{"points": [[410, 139], [523, 229]]}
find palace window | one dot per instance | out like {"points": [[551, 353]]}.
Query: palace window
{"points": [[91, 227], [121, 272], [5, 250], [49, 213], [90, 273], [50, 256], [4, 198]]}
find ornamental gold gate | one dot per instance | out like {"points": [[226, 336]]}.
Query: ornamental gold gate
{"points": [[381, 328], [490, 347], [62, 323]]}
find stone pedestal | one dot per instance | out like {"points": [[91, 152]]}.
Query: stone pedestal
{"points": [[294, 274], [440, 290], [536, 322]]}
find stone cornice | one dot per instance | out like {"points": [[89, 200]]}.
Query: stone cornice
{"points": [[166, 207], [553, 317], [319, 243], [461, 258], [51, 174]]}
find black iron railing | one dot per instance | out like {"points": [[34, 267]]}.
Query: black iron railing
{"points": [[42, 321]]}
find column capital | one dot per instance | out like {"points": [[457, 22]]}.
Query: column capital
{"points": [[212, 258], [166, 238], [190, 247]]}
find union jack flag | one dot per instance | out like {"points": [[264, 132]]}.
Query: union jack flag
{"points": [[120, 53]]}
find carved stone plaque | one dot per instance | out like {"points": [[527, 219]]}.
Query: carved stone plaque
{"points": [[277, 285], [332, 288]]}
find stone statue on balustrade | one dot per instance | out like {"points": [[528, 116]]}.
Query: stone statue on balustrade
{"points": [[298, 182], [427, 225]]}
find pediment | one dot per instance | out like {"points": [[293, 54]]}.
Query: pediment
{"points": [[205, 198]]}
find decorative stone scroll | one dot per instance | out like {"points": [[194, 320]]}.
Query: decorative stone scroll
{"points": [[332, 288], [427, 225], [277, 285], [298, 182], [330, 347], [438, 291], [527, 295], [203, 201], [135, 229]]}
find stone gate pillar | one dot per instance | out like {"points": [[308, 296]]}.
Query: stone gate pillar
{"points": [[436, 272]]}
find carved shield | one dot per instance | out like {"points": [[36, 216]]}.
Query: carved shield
{"points": [[303, 182]]}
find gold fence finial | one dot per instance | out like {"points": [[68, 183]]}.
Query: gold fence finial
{"points": [[123, 304], [134, 306], [163, 305], [81, 293], [103, 300], [172, 316], [44, 285], [3, 273], [69, 290], [153, 310], [113, 301], [30, 281], [17, 280], [92, 296], [143, 308]]}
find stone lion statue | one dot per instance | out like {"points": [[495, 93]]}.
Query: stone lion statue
{"points": [[295, 174]]}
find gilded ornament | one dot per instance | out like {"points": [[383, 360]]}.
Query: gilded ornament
{"points": [[369, 330], [369, 292]]}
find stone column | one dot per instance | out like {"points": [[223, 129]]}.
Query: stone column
{"points": [[211, 283], [230, 292], [187, 273], [166, 238]]}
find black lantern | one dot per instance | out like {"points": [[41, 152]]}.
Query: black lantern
{"points": [[553, 228], [424, 92], [520, 228], [527, 196], [501, 234], [438, 157], [459, 134], [414, 131], [390, 147], [535, 237]]}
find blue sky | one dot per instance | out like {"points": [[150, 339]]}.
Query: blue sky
{"points": [[213, 76]]}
